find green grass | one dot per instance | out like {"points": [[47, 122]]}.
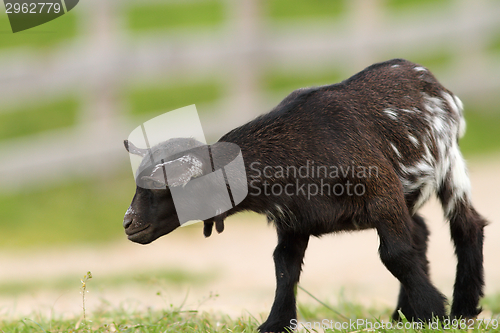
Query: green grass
{"points": [[144, 100], [174, 320], [38, 118], [203, 14], [42, 37], [299, 9], [178, 319]]}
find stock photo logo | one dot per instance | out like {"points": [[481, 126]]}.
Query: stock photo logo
{"points": [[26, 14], [169, 152]]}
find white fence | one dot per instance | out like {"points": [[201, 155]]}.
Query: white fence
{"points": [[105, 55]]}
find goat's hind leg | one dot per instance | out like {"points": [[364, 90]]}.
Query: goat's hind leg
{"points": [[420, 235], [421, 300], [466, 227]]}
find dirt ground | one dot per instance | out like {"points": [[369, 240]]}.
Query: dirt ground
{"points": [[241, 263]]}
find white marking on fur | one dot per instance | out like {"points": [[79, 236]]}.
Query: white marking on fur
{"points": [[395, 150], [283, 215], [451, 102], [460, 182], [407, 111], [424, 168], [425, 181], [462, 126], [441, 130], [449, 164], [193, 169], [433, 104], [441, 160], [443, 164], [420, 69], [428, 155], [459, 103], [426, 191], [456, 107], [422, 171], [391, 113], [395, 66], [413, 140], [439, 124]]}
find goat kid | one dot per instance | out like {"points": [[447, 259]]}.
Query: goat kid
{"points": [[393, 118]]}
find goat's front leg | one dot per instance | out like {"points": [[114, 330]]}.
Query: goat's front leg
{"points": [[288, 257]]}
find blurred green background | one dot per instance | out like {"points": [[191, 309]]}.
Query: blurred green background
{"points": [[97, 73]]}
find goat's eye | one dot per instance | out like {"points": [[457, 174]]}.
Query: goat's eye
{"points": [[157, 184], [154, 184]]}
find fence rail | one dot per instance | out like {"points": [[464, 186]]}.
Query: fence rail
{"points": [[104, 56]]}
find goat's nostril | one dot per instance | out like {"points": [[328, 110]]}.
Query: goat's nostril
{"points": [[127, 221]]}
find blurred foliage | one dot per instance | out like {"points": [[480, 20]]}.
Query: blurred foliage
{"points": [[483, 126], [43, 36], [413, 4], [36, 118], [435, 61], [189, 14], [494, 45], [287, 82], [170, 96], [299, 9], [82, 211]]}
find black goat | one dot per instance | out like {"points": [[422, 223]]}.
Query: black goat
{"points": [[365, 153]]}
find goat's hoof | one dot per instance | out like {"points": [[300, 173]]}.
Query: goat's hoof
{"points": [[274, 328], [466, 313]]}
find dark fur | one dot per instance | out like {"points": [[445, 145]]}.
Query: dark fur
{"points": [[343, 125]]}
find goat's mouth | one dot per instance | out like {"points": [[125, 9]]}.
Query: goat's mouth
{"points": [[137, 233]]}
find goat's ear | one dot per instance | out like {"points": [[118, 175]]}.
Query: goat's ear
{"points": [[133, 149], [180, 171]]}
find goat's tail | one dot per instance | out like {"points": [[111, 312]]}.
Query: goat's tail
{"points": [[466, 227]]}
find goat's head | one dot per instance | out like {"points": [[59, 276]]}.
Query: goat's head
{"points": [[152, 212]]}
